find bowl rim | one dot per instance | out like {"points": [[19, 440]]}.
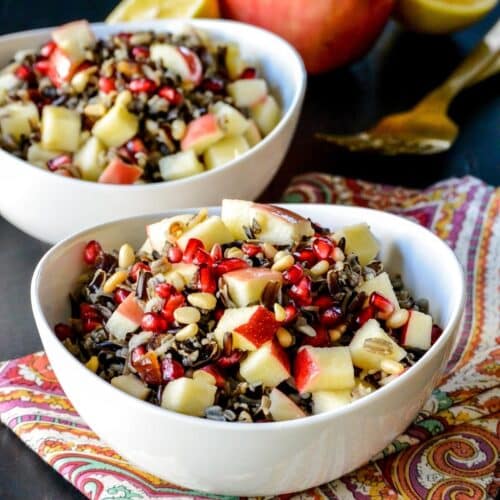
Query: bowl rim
{"points": [[319, 419], [157, 25]]}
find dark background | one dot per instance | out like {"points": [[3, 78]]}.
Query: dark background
{"points": [[400, 69]]}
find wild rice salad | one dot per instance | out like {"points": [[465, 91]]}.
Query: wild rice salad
{"points": [[134, 107], [258, 315]]}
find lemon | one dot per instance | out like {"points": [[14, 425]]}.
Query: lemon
{"points": [[441, 16], [142, 10]]}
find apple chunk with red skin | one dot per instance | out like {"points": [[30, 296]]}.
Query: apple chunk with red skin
{"points": [[74, 39], [162, 231], [201, 133], [283, 408], [119, 172], [180, 60], [323, 368], [417, 333], [269, 365], [126, 318]]}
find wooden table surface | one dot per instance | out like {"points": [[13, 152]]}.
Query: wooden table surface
{"points": [[396, 73]]}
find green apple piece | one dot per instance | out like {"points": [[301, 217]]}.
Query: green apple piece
{"points": [[283, 408], [224, 151], [232, 319], [371, 345], [188, 396], [266, 114], [382, 285], [324, 401], [38, 155], [132, 385], [211, 231], [230, 120], [118, 125], [359, 240], [61, 128], [234, 64], [90, 158], [18, 119], [252, 134], [247, 92], [179, 165]]}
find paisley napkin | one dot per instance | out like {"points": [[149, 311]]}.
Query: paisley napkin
{"points": [[450, 451]]}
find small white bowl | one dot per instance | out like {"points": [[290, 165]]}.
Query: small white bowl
{"points": [[268, 458], [50, 207]]}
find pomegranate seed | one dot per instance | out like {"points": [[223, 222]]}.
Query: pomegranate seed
{"points": [[136, 269], [120, 294], [140, 52], [164, 290], [251, 249], [174, 255], [215, 85], [227, 265], [124, 35], [365, 314], [59, 161], [435, 333], [171, 95], [323, 302], [176, 300], [92, 250], [106, 84], [218, 313], [191, 248], [137, 354], [248, 73], [307, 256], [207, 281], [154, 322], [231, 360], [290, 313], [47, 49], [88, 311], [135, 146], [201, 257], [216, 252], [63, 331], [89, 325], [171, 369], [301, 292], [42, 67], [294, 274], [380, 303], [321, 339], [323, 248], [330, 317], [24, 73], [142, 85]]}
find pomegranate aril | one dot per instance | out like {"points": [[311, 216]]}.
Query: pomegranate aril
{"points": [[59, 161], [171, 95], [227, 265], [218, 313], [89, 325], [63, 331], [140, 52], [248, 73], [164, 290], [137, 354], [294, 274], [171, 369], [290, 313], [135, 146], [47, 49], [89, 312], [215, 85], [330, 317], [301, 292], [136, 269], [323, 302], [42, 67], [231, 360], [120, 294], [154, 322], [321, 339], [380, 303], [216, 252], [106, 84], [365, 314], [435, 333], [176, 300], [206, 279], [323, 248], [91, 252], [174, 254], [251, 249], [191, 248], [201, 257], [24, 73], [124, 35], [307, 256], [142, 85]]}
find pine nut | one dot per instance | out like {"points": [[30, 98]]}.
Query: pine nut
{"points": [[178, 129], [279, 255], [114, 280], [279, 312], [187, 315], [284, 337], [283, 264], [126, 256], [188, 332], [398, 318], [320, 268], [202, 300], [392, 367], [269, 250], [234, 253], [338, 255], [334, 334], [176, 280]]}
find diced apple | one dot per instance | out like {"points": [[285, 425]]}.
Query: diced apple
{"points": [[266, 114], [74, 39], [61, 67], [18, 119], [61, 128], [283, 408], [118, 125], [276, 225], [119, 172], [323, 368], [188, 396], [371, 345], [161, 232], [247, 92], [382, 285], [245, 286], [180, 60], [234, 64], [230, 120], [417, 333], [268, 365], [360, 241], [132, 385], [40, 156], [8, 82], [90, 159], [324, 401], [126, 318], [211, 231], [187, 271], [224, 151], [146, 248], [252, 134], [179, 165], [201, 133], [211, 375]]}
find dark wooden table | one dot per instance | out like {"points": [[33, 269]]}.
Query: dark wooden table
{"points": [[396, 73]]}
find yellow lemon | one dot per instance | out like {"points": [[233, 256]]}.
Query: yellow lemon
{"points": [[141, 10], [441, 16]]}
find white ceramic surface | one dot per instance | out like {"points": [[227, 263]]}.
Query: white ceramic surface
{"points": [[50, 207], [256, 459]]}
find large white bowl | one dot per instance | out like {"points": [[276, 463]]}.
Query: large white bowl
{"points": [[267, 458], [51, 207]]}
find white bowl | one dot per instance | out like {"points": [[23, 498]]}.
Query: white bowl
{"points": [[50, 207], [268, 458]]}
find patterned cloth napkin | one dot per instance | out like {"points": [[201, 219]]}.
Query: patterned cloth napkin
{"points": [[450, 451]]}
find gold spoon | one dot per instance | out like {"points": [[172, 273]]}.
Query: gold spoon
{"points": [[427, 129]]}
